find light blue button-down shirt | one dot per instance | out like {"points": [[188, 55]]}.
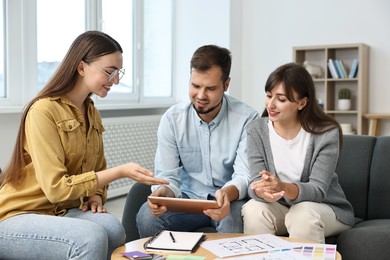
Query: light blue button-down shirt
{"points": [[199, 158]]}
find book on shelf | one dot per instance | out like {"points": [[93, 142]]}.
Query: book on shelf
{"points": [[354, 68], [177, 241], [332, 69], [345, 74], [338, 68]]}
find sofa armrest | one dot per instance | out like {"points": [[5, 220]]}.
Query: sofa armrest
{"points": [[136, 197], [379, 192], [367, 240]]}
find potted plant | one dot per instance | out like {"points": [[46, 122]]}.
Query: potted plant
{"points": [[344, 99]]}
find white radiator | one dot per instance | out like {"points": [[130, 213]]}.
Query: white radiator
{"points": [[129, 139]]}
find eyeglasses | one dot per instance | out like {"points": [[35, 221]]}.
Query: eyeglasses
{"points": [[111, 76]]}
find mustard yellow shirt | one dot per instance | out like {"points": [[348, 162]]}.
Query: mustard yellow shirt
{"points": [[61, 156]]}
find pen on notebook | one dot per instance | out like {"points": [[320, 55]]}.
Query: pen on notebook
{"points": [[173, 238]]}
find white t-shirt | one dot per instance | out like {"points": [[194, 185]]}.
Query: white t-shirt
{"points": [[289, 155]]}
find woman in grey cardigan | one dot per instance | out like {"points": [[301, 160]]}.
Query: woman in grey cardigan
{"points": [[292, 152]]}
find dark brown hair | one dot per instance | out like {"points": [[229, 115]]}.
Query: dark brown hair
{"points": [[296, 79], [211, 55], [88, 46]]}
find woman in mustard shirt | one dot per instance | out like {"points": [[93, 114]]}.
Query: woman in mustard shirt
{"points": [[52, 194]]}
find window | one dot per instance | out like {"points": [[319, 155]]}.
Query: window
{"points": [[2, 79], [142, 27], [118, 22], [155, 80], [53, 44], [147, 57]]}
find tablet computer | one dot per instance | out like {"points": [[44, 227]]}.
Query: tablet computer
{"points": [[184, 205]]}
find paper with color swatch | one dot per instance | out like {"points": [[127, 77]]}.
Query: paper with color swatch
{"points": [[301, 251]]}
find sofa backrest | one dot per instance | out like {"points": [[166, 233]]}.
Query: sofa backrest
{"points": [[379, 191], [353, 170]]}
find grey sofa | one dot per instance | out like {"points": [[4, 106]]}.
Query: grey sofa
{"points": [[364, 174]]}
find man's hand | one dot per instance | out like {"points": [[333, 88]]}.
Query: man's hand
{"points": [[223, 211], [224, 197], [162, 191]]}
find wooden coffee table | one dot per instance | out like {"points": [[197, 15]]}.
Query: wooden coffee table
{"points": [[138, 245]]}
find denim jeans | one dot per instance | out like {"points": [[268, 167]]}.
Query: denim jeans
{"points": [[149, 225], [77, 235]]}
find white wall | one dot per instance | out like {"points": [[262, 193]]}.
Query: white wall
{"points": [[198, 22], [270, 30]]}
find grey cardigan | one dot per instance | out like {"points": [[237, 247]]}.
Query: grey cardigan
{"points": [[319, 181]]}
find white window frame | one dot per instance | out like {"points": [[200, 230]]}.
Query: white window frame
{"points": [[21, 58]]}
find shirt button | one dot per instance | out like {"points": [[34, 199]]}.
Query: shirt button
{"points": [[70, 126], [69, 181]]}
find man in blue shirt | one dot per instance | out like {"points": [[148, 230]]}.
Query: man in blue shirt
{"points": [[202, 151]]}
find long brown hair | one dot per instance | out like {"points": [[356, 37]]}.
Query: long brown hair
{"points": [[296, 79], [88, 46]]}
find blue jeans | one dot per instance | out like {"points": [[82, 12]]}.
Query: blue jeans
{"points": [[148, 224], [77, 235]]}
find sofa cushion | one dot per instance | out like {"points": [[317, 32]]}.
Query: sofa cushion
{"points": [[379, 191], [367, 240], [375, 223], [353, 170]]}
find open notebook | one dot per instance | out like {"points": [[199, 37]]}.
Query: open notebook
{"points": [[177, 241]]}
